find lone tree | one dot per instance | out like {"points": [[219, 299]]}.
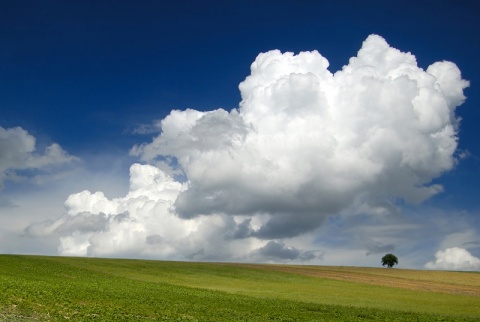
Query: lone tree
{"points": [[389, 260]]}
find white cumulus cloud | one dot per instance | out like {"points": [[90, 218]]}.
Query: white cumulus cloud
{"points": [[304, 144], [456, 259], [144, 224]]}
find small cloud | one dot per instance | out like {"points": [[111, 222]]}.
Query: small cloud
{"points": [[19, 160], [379, 249], [145, 129], [278, 251], [463, 154], [455, 258]]}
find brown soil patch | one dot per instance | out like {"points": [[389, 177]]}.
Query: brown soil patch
{"points": [[430, 281]]}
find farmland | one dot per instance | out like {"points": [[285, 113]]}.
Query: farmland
{"points": [[37, 288]]}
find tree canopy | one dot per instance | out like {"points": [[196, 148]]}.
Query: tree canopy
{"points": [[389, 260]]}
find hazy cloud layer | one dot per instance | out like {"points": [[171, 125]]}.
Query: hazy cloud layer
{"points": [[303, 145], [18, 154], [455, 259]]}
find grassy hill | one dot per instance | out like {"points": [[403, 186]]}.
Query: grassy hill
{"points": [[59, 288]]}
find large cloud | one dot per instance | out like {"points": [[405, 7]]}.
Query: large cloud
{"points": [[303, 144], [306, 143], [455, 258], [18, 153]]}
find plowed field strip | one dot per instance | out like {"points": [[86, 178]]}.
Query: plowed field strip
{"points": [[374, 279]]}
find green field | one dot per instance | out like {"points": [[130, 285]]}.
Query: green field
{"points": [[60, 288]]}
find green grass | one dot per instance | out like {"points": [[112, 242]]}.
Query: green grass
{"points": [[60, 288]]}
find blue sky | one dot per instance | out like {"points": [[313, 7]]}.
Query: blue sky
{"points": [[95, 77]]}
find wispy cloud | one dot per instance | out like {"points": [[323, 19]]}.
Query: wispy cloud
{"points": [[151, 128]]}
